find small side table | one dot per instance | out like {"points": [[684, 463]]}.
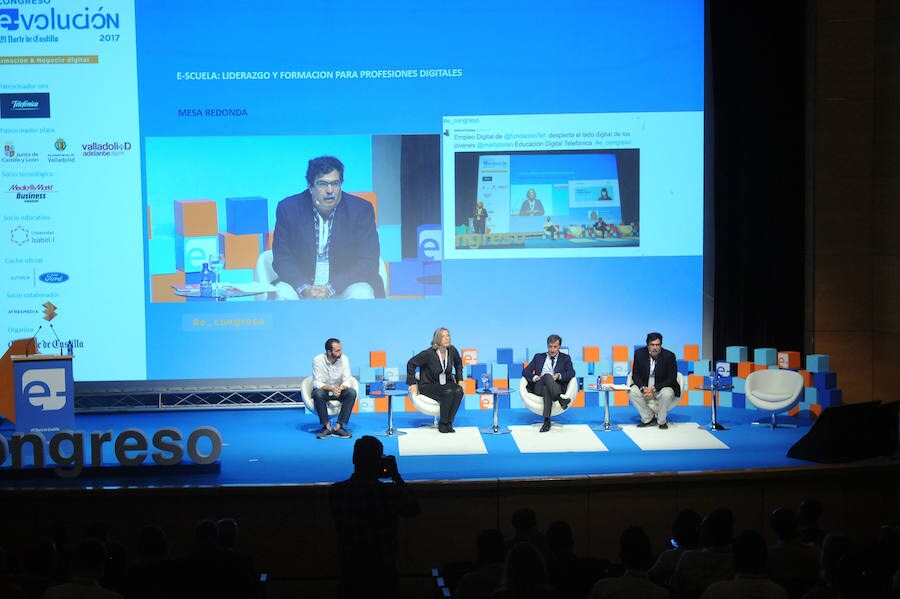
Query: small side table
{"points": [[714, 425], [607, 426], [496, 429], [391, 431]]}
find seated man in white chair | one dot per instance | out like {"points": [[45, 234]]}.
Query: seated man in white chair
{"points": [[331, 381], [654, 377], [548, 374]]}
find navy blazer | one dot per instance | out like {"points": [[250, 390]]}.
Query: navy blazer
{"points": [[563, 366], [665, 374], [430, 367], [354, 253]]}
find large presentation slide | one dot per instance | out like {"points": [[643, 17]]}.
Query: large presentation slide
{"points": [[157, 204]]}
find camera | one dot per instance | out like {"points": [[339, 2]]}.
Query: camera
{"points": [[388, 466]]}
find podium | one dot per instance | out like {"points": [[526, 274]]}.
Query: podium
{"points": [[37, 391]]}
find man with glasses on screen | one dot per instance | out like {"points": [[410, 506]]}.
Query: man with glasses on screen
{"points": [[325, 244], [654, 382]]}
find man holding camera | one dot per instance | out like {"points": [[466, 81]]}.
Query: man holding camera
{"points": [[366, 511]]}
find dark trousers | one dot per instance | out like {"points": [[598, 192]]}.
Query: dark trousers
{"points": [[449, 396], [548, 388], [321, 397]]}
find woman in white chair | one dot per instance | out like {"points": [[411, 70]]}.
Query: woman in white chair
{"points": [[440, 370]]}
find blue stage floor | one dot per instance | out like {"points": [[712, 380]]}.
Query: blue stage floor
{"points": [[278, 447]]}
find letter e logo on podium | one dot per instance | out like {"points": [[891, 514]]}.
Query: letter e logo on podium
{"points": [[469, 357], [45, 388], [430, 247]]}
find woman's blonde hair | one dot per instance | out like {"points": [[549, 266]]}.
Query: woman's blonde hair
{"points": [[436, 338]]}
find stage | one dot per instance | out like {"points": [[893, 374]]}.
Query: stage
{"points": [[278, 446]]}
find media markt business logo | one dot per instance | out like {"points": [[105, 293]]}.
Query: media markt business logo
{"points": [[30, 193], [34, 105], [105, 149]]}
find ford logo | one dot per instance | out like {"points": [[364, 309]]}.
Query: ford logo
{"points": [[54, 277]]}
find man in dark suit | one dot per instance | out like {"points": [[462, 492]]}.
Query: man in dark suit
{"points": [[654, 382], [325, 243], [548, 374]]}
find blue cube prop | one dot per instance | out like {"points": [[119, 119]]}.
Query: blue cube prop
{"points": [[824, 380], [500, 371], [736, 353], [765, 356], [246, 216], [621, 369], [700, 367], [683, 366], [505, 355], [591, 399], [830, 397], [515, 402], [738, 400], [738, 384], [818, 363], [581, 368], [725, 399]]}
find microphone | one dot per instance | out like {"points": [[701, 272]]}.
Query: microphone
{"points": [[58, 342], [33, 340]]}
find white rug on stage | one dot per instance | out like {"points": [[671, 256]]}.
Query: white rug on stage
{"points": [[428, 441], [559, 439], [680, 435]]}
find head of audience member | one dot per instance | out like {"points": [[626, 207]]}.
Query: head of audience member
{"points": [[89, 559], [560, 540], [686, 528], [525, 573], [809, 513], [441, 338], [206, 534], [554, 342], [750, 553], [490, 546], [654, 343], [152, 543], [367, 453], [228, 532], [784, 523], [524, 519], [717, 529], [634, 548], [324, 176]]}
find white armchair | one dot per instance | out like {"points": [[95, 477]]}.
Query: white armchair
{"points": [[774, 390], [535, 403], [334, 406], [266, 274]]}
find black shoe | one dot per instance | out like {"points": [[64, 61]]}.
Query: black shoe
{"points": [[443, 428], [664, 426], [325, 432], [651, 423], [564, 402], [546, 426], [450, 428], [340, 432]]}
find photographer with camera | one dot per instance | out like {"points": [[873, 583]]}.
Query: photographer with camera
{"points": [[366, 511]]}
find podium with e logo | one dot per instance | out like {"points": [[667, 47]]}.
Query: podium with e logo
{"points": [[44, 393]]}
